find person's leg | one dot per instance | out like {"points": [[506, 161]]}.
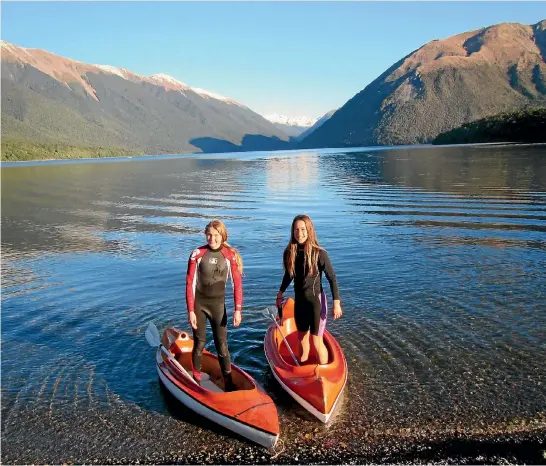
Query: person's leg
{"points": [[199, 340], [301, 316], [219, 333], [320, 348], [303, 346], [318, 324]]}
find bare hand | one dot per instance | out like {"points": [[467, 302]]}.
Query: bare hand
{"points": [[336, 311], [237, 317], [192, 318]]}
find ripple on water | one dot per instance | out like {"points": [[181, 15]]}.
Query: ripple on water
{"points": [[440, 261]]}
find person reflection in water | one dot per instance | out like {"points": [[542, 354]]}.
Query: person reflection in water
{"points": [[209, 267], [304, 261]]}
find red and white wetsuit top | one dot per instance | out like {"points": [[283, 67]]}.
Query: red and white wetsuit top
{"points": [[192, 275]]}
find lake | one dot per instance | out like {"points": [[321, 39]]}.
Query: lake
{"points": [[440, 254]]}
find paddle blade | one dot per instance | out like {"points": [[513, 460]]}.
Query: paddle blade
{"points": [[271, 311], [152, 335]]}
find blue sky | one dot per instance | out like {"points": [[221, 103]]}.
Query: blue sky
{"points": [[296, 58]]}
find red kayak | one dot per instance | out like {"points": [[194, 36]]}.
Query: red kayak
{"points": [[248, 411], [317, 387]]}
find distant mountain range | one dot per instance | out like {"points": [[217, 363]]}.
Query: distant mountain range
{"points": [[293, 126], [443, 85], [323, 119], [49, 98], [302, 121]]}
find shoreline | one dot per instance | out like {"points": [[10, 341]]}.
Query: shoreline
{"points": [[520, 448], [117, 158], [122, 432]]}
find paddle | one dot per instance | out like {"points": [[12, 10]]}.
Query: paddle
{"points": [[269, 314], [152, 336]]}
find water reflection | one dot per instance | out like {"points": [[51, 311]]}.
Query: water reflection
{"points": [[293, 173], [489, 171], [76, 203], [440, 256]]}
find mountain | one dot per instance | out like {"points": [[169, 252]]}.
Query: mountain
{"points": [[323, 119], [303, 121], [443, 85], [526, 126], [290, 130], [48, 98], [293, 126]]}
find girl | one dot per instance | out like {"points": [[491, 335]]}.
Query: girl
{"points": [[304, 261], [209, 267]]}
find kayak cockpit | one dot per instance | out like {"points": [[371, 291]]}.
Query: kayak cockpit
{"points": [[211, 374], [292, 339], [210, 369]]}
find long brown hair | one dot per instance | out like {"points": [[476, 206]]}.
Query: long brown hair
{"points": [[311, 248], [219, 226]]}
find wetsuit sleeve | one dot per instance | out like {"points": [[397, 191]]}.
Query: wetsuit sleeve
{"points": [[190, 280], [286, 279], [326, 266], [237, 285]]}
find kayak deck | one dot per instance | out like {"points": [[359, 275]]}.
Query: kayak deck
{"points": [[317, 387], [248, 410]]}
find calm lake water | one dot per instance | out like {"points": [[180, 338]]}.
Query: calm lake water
{"points": [[440, 255]]}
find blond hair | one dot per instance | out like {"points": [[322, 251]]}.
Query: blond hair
{"points": [[311, 248], [219, 226]]}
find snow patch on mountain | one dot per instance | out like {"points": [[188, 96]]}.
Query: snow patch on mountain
{"points": [[205, 93], [9, 46], [212, 95], [302, 121], [162, 78], [113, 70]]}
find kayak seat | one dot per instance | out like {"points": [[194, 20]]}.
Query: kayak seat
{"points": [[208, 384], [211, 369]]}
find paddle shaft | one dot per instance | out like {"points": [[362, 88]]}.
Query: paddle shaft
{"points": [[285, 340], [177, 364]]}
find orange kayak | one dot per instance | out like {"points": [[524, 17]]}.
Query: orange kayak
{"points": [[248, 411], [317, 387]]}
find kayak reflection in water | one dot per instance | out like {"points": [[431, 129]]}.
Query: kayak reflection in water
{"points": [[304, 261], [209, 267]]}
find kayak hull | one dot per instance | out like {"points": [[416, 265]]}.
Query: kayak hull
{"points": [[247, 411], [316, 387]]}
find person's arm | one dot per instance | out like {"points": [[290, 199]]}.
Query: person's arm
{"points": [[326, 266], [286, 279], [237, 292], [191, 277]]}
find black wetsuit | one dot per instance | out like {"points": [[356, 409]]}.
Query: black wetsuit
{"points": [[209, 304], [310, 309]]}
